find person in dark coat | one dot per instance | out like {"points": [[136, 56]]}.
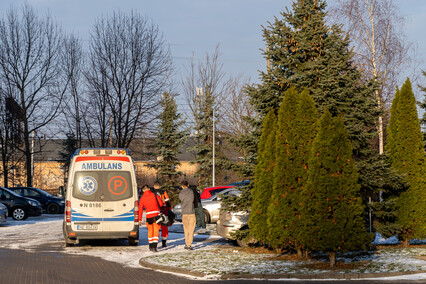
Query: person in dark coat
{"points": [[198, 207]]}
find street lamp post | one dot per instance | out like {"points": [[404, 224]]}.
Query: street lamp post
{"points": [[213, 161]]}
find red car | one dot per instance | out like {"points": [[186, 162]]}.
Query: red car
{"points": [[210, 191]]}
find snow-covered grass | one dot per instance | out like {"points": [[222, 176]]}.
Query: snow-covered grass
{"points": [[213, 255], [236, 261]]}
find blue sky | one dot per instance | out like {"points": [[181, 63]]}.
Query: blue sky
{"points": [[197, 26]]}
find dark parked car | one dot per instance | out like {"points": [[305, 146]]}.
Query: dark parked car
{"points": [[19, 207], [50, 204]]}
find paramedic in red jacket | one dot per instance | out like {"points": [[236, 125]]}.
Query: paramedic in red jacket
{"points": [[166, 200], [152, 210]]}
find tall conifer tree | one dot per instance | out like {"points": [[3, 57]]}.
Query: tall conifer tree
{"points": [[307, 124], [203, 148], [423, 106], [405, 147], [392, 140], [296, 130], [281, 207], [306, 53], [333, 208], [170, 137], [263, 182]]}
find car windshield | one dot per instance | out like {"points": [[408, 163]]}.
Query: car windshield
{"points": [[226, 191], [10, 192], [102, 185], [45, 193]]}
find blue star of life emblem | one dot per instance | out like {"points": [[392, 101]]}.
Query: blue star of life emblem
{"points": [[88, 185]]}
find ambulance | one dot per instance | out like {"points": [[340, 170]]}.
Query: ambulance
{"points": [[101, 197]]}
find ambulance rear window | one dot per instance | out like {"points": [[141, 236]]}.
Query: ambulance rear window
{"points": [[102, 185]]}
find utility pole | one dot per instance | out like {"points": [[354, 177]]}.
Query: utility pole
{"points": [[213, 161]]}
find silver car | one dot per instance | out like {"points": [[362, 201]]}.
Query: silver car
{"points": [[211, 206], [3, 213], [230, 222]]}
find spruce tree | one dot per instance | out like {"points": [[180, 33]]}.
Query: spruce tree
{"points": [[263, 183], [306, 53], [170, 137], [333, 208], [203, 148], [405, 147]]}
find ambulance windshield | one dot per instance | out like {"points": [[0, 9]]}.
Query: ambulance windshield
{"points": [[102, 185]]}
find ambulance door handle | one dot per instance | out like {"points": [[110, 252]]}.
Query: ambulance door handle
{"points": [[109, 210]]}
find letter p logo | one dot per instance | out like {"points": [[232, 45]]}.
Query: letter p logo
{"points": [[119, 185]]}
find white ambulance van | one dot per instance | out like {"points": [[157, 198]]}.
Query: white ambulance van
{"points": [[101, 197]]}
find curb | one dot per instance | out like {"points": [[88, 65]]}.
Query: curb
{"points": [[326, 275]]}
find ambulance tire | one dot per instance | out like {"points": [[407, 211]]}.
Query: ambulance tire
{"points": [[67, 242], [133, 241]]}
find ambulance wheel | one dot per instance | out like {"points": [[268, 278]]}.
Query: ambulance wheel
{"points": [[133, 242], [68, 244]]}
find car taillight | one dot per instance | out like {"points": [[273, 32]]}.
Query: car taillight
{"points": [[68, 212], [137, 212]]}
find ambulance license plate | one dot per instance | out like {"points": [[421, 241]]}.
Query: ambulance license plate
{"points": [[87, 227]]}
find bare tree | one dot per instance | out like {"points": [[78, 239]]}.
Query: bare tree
{"points": [[29, 51], [127, 74], [237, 110], [208, 93], [381, 50], [75, 105], [204, 77]]}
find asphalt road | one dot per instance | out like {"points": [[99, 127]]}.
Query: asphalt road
{"points": [[18, 266]]}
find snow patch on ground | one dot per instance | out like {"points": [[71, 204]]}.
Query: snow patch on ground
{"points": [[212, 262], [380, 240]]}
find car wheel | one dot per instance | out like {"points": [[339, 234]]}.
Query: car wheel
{"points": [[133, 242], [19, 214], [53, 208], [206, 217]]}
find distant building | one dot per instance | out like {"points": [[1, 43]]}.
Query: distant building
{"points": [[49, 173]]}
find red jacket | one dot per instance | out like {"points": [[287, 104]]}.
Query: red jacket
{"points": [[151, 207]]}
